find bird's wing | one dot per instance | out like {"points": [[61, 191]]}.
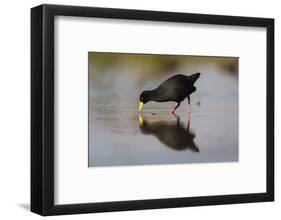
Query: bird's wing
{"points": [[176, 87]]}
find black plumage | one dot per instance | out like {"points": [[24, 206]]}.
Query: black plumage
{"points": [[176, 88]]}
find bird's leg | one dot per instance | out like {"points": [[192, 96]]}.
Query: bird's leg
{"points": [[174, 109], [176, 116], [189, 107]]}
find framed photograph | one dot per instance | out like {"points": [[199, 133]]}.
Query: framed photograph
{"points": [[136, 109]]}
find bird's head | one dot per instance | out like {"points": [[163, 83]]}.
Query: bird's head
{"points": [[144, 98], [194, 77]]}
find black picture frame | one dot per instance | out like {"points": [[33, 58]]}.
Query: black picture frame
{"points": [[42, 109]]}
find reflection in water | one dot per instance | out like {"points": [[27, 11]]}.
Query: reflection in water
{"points": [[171, 133]]}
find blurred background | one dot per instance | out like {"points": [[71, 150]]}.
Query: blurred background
{"points": [[116, 136]]}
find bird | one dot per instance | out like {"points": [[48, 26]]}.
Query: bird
{"points": [[175, 88]]}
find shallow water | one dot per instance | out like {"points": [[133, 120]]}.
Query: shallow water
{"points": [[118, 135]]}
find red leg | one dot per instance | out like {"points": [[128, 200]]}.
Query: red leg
{"points": [[174, 109], [189, 107]]}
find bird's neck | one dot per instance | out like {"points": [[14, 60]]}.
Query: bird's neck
{"points": [[153, 94]]}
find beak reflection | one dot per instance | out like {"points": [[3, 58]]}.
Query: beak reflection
{"points": [[140, 120]]}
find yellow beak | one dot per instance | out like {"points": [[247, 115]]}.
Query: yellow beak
{"points": [[141, 106]]}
